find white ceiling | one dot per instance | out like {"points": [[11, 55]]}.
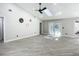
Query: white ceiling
{"points": [[59, 10]]}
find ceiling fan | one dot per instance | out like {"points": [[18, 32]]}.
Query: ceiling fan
{"points": [[40, 10], [44, 10]]}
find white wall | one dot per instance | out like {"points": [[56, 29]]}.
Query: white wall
{"points": [[13, 27], [76, 27], [68, 25], [45, 27]]}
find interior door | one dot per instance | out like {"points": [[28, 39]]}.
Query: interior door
{"points": [[1, 29]]}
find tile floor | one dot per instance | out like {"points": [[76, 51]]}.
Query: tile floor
{"points": [[41, 46]]}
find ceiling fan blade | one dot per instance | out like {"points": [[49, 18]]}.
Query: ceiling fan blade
{"points": [[43, 8], [39, 11]]}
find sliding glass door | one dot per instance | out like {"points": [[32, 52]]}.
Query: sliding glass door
{"points": [[55, 29]]}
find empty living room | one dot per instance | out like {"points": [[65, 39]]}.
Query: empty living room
{"points": [[39, 29]]}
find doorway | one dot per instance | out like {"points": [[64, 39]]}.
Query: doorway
{"points": [[55, 29], [1, 30], [40, 28]]}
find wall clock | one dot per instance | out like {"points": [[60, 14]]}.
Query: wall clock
{"points": [[21, 20]]}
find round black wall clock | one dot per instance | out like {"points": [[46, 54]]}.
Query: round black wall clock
{"points": [[21, 20]]}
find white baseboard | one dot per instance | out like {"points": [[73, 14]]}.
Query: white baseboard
{"points": [[72, 36], [65, 35], [45, 33], [5, 41]]}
